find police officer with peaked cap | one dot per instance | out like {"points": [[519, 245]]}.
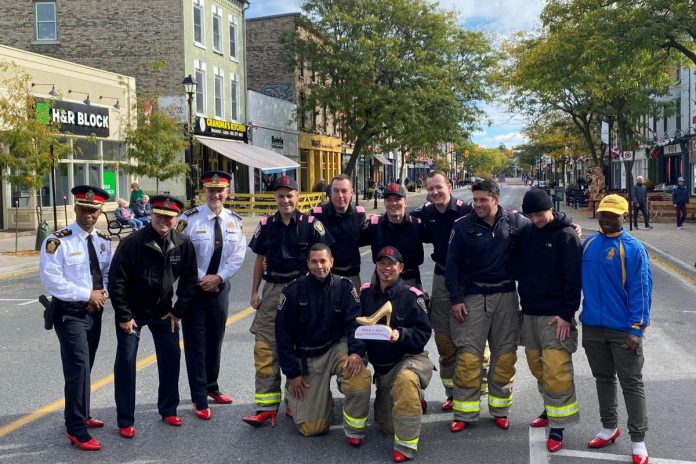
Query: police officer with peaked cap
{"points": [[145, 267], [74, 268], [281, 243], [217, 235]]}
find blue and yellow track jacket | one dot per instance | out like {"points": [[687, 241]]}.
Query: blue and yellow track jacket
{"points": [[616, 283]]}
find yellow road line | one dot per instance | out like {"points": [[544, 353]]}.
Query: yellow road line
{"points": [[18, 273], [664, 264], [99, 384]]}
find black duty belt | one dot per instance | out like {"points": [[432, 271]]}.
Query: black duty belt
{"points": [[279, 278], [490, 289], [73, 308]]}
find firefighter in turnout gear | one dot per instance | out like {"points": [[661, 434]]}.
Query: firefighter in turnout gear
{"points": [[315, 333], [281, 243], [438, 216], [549, 264], [402, 368]]}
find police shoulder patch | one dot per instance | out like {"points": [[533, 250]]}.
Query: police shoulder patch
{"points": [[257, 231], [63, 232], [356, 297], [103, 235], [52, 245], [191, 212], [319, 227], [421, 302], [181, 225], [281, 301]]}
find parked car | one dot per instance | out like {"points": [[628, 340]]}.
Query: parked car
{"points": [[542, 184], [663, 187]]}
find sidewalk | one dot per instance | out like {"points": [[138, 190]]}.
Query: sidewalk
{"points": [[11, 266], [675, 247]]}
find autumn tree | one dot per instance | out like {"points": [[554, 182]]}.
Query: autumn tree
{"points": [[27, 137], [393, 71]]}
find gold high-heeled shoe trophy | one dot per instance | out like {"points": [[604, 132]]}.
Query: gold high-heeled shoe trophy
{"points": [[370, 330]]}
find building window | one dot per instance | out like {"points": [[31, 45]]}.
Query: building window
{"points": [[219, 105], [217, 30], [46, 26], [200, 88], [198, 23], [234, 96], [678, 112], [233, 37]]}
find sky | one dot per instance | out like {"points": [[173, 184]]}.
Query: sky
{"points": [[496, 16]]}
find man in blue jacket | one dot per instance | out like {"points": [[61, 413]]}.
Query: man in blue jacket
{"points": [[680, 197], [617, 286]]}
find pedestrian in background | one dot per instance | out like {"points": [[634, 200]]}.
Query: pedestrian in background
{"points": [[217, 235], [135, 194], [74, 268], [680, 197], [145, 267], [617, 290], [640, 203], [126, 216], [548, 264]]}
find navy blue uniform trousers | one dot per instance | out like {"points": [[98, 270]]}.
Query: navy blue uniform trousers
{"points": [[203, 327], [79, 340], [168, 360]]}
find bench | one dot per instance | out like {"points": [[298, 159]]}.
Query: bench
{"points": [[114, 227]]}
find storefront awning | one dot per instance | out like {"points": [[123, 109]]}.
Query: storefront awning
{"points": [[249, 155], [382, 159]]}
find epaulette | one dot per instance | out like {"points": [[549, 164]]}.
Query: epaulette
{"points": [[460, 202], [191, 212], [310, 219], [236, 215], [359, 209], [365, 286], [427, 203], [263, 221], [63, 232], [415, 291], [374, 219], [293, 282], [317, 210], [103, 235]]}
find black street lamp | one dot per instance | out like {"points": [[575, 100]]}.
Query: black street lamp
{"points": [[190, 86]]}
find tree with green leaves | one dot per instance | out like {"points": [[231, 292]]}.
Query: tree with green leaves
{"points": [[156, 143], [27, 138], [393, 71]]}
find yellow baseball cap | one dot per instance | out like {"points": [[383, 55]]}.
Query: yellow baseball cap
{"points": [[613, 204]]}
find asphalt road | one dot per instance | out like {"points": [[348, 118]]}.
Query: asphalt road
{"points": [[32, 431]]}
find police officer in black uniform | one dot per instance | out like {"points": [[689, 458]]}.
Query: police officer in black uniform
{"points": [[145, 267], [280, 242], [398, 229], [344, 222], [438, 215], [74, 268]]}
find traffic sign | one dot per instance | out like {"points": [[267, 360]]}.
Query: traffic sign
{"points": [[627, 155]]}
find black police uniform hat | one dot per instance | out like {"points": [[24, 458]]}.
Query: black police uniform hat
{"points": [[166, 205], [216, 179], [89, 196]]}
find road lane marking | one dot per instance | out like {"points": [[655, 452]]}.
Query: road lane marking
{"points": [[9, 275], [27, 302], [614, 457], [537, 446], [673, 270], [101, 383]]}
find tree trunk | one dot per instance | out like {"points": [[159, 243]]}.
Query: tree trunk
{"points": [[404, 150]]}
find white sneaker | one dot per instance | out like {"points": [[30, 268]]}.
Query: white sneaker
{"points": [[680, 227]]}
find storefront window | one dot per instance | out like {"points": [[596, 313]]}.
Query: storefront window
{"points": [[122, 183], [114, 151], [62, 183], [85, 149], [79, 174], [94, 177]]}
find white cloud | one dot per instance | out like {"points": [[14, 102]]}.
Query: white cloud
{"points": [[498, 15]]}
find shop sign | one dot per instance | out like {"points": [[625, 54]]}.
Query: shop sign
{"points": [[672, 150], [74, 118], [692, 150], [219, 128], [277, 142], [109, 182]]}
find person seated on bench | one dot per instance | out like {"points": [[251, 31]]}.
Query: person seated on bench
{"points": [[143, 209], [125, 216]]}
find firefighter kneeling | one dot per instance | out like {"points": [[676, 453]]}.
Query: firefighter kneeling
{"points": [[315, 333], [402, 367]]}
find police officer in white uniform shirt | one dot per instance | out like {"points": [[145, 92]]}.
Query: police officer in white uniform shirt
{"points": [[74, 269], [217, 236]]}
